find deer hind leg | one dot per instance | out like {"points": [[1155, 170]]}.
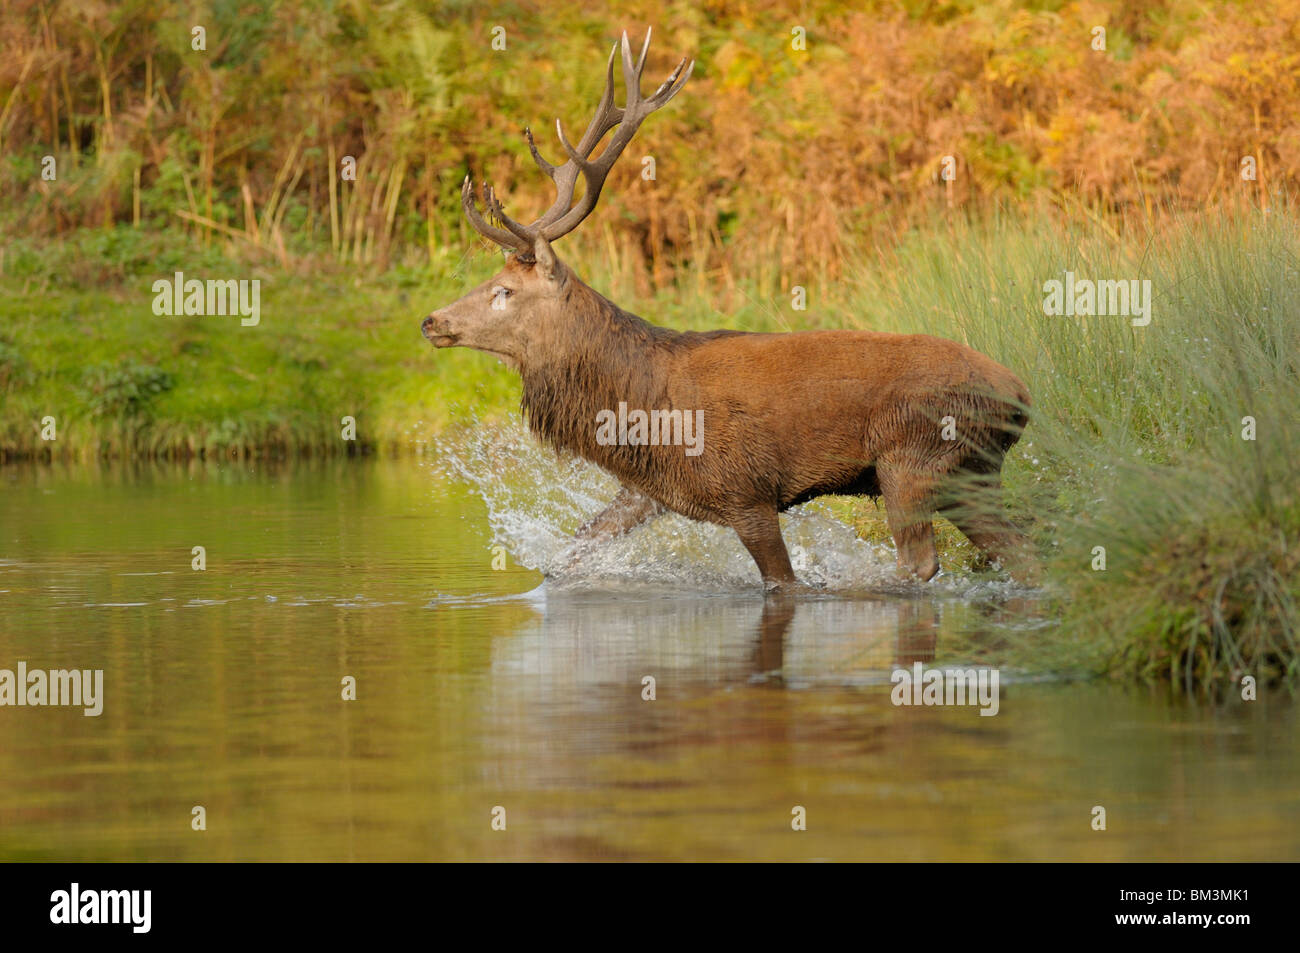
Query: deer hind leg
{"points": [[909, 508], [980, 516], [760, 531]]}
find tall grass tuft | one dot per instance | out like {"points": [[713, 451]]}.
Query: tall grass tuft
{"points": [[1165, 453]]}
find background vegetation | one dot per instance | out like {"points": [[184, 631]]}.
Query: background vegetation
{"points": [[768, 168], [775, 168]]}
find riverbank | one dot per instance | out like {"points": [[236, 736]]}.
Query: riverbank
{"points": [[80, 343]]}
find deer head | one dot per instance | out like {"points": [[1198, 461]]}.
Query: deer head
{"points": [[516, 312]]}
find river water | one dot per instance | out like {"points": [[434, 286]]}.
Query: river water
{"points": [[482, 692]]}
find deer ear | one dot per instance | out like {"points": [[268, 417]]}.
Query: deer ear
{"points": [[548, 266]]}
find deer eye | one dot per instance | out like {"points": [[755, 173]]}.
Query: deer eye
{"points": [[501, 291]]}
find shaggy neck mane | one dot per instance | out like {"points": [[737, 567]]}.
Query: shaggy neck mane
{"points": [[610, 358]]}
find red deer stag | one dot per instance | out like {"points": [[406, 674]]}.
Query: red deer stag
{"points": [[919, 421]]}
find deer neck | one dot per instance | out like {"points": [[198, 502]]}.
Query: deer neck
{"points": [[611, 357]]}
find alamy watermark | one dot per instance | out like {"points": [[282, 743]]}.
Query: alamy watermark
{"points": [[653, 428], [73, 906], [55, 687], [946, 686], [1130, 298], [213, 297]]}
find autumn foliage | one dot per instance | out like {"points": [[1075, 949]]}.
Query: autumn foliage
{"points": [[776, 156]]}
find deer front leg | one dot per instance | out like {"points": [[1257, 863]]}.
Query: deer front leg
{"points": [[760, 531], [627, 511]]}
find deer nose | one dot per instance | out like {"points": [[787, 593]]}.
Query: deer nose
{"points": [[426, 326]]}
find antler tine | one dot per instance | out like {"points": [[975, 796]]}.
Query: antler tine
{"points": [[499, 235], [640, 62], [606, 118], [631, 78], [525, 234], [671, 84], [607, 114], [537, 156]]}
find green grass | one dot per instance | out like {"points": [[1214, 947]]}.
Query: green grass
{"points": [[120, 380], [1135, 445]]}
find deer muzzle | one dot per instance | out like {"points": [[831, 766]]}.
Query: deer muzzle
{"points": [[435, 328]]}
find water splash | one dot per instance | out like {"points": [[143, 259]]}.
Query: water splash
{"points": [[536, 499]]}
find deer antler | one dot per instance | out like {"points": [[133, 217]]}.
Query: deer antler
{"points": [[563, 216]]}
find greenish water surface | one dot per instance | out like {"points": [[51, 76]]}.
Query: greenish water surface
{"points": [[479, 688]]}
